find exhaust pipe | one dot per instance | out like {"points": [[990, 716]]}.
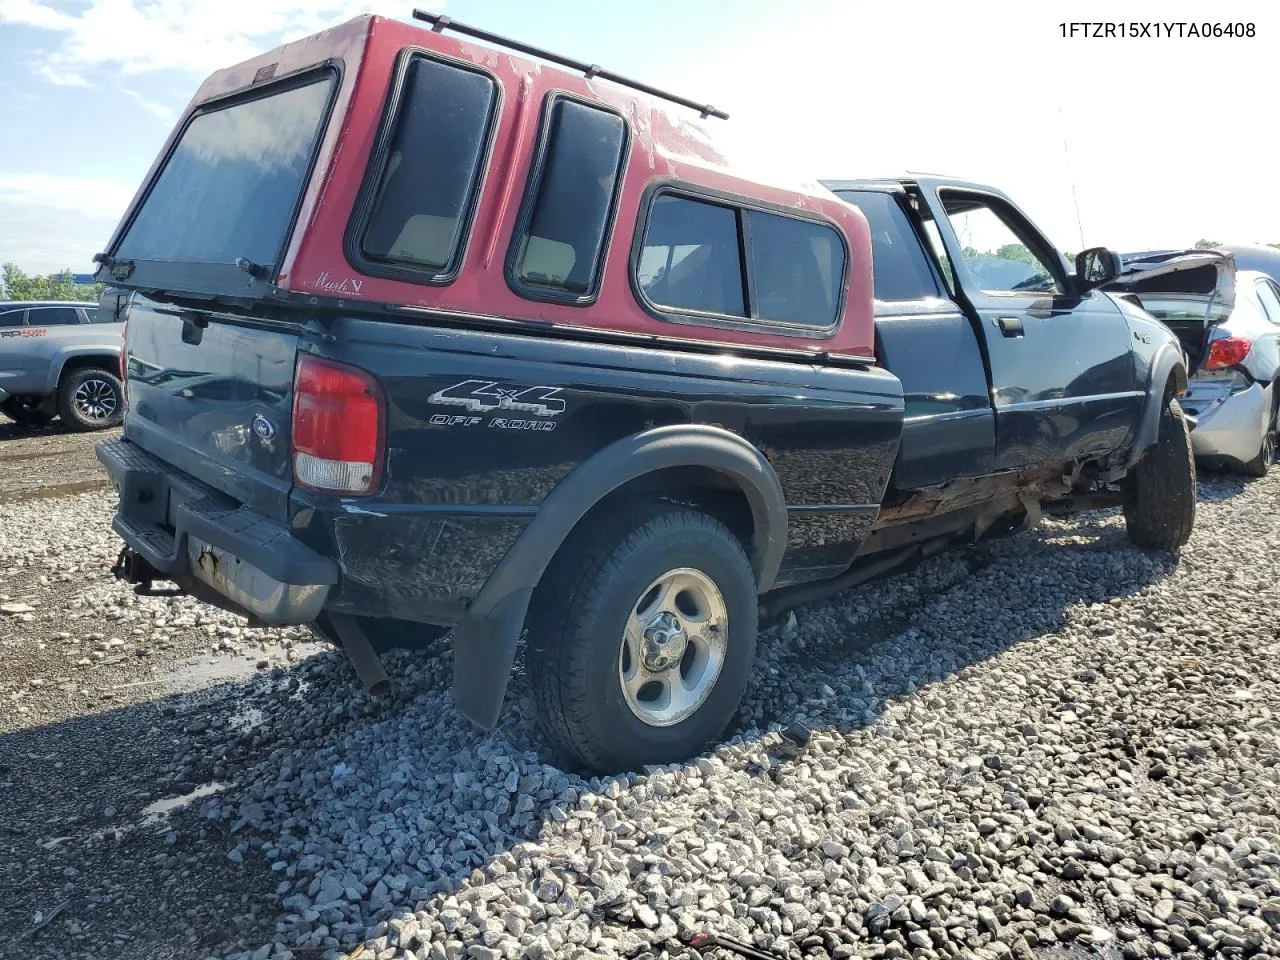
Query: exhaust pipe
{"points": [[360, 652]]}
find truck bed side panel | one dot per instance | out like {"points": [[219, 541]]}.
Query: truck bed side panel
{"points": [[481, 427]]}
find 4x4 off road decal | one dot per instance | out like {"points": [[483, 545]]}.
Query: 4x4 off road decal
{"points": [[482, 396], [485, 396], [24, 332]]}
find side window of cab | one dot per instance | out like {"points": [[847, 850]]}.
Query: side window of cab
{"points": [[899, 264], [998, 248]]}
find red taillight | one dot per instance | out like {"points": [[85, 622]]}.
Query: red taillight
{"points": [[1227, 352], [337, 427]]}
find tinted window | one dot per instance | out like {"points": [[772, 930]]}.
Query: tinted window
{"points": [[570, 203], [1270, 303], [691, 258], [934, 236], [900, 269], [796, 269], [52, 316], [230, 187], [12, 318], [429, 180], [993, 249]]}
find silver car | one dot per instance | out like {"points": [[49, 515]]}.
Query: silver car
{"points": [[61, 359], [1228, 321]]}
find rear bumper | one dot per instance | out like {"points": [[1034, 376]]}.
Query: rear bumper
{"points": [[1227, 424], [204, 541]]}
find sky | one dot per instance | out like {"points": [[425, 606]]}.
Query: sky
{"points": [[1131, 143]]}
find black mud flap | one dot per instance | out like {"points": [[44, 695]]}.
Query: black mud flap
{"points": [[484, 649]]}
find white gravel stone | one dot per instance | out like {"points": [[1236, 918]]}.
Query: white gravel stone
{"points": [[1048, 740]]}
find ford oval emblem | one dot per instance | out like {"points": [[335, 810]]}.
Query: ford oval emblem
{"points": [[263, 428]]}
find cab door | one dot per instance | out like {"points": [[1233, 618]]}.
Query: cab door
{"points": [[1063, 379]]}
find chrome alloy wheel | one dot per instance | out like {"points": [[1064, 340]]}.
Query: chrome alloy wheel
{"points": [[673, 647], [96, 399]]}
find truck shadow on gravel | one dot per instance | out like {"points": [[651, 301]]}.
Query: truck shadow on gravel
{"points": [[896, 621], [334, 814]]}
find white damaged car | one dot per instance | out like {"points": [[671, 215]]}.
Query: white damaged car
{"points": [[1229, 323]]}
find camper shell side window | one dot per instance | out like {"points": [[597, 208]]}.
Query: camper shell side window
{"points": [[416, 207], [708, 258], [562, 233]]}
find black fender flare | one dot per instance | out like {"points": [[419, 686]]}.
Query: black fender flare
{"points": [[485, 639], [1168, 361]]}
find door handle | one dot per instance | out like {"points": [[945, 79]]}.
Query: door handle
{"points": [[1010, 326]]}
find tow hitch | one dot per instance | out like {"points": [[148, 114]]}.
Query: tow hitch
{"points": [[132, 567]]}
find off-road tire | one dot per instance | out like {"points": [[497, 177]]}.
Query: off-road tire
{"points": [[1261, 464], [25, 410], [72, 409], [576, 629], [1160, 502]]}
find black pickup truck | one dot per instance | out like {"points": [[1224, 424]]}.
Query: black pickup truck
{"points": [[586, 383]]}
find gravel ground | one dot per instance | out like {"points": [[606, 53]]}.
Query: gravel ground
{"points": [[1052, 743]]}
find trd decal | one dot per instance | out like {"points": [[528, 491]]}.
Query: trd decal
{"points": [[24, 332], [481, 396]]}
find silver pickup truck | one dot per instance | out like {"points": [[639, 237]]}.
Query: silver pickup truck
{"points": [[61, 359]]}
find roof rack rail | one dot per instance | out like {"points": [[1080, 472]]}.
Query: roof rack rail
{"points": [[439, 23]]}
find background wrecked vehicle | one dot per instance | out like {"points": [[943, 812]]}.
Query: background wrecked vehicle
{"points": [[1228, 321]]}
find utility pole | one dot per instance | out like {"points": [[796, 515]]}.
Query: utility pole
{"points": [[1075, 199]]}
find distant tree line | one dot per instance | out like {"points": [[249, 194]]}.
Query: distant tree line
{"points": [[18, 285]]}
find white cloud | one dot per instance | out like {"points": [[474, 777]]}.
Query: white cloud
{"points": [[59, 77], [193, 36], [154, 107], [92, 195], [34, 14], [53, 222]]}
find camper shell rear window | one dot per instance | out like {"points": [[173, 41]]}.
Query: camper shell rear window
{"points": [[229, 189]]}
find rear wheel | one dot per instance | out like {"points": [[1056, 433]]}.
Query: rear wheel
{"points": [[1261, 464], [90, 398], [29, 409], [641, 639], [1160, 501]]}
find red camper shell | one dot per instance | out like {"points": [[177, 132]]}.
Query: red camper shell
{"points": [[454, 180]]}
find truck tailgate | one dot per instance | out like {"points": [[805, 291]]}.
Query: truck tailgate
{"points": [[211, 393]]}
